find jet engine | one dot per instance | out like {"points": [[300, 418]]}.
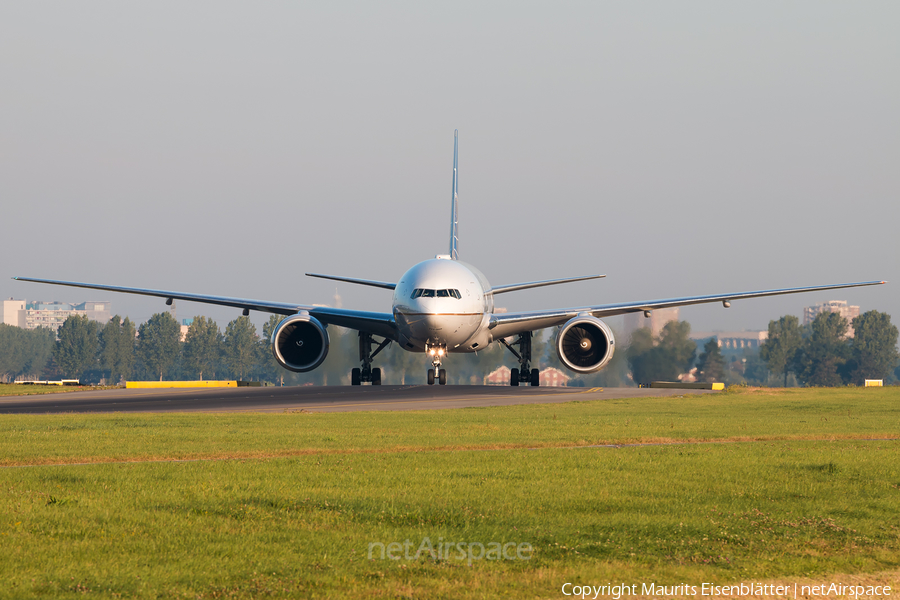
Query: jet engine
{"points": [[585, 344], [300, 343]]}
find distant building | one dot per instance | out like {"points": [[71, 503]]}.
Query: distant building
{"points": [[656, 321], [550, 377], [185, 325], [13, 313], [553, 377], [498, 376], [733, 340], [31, 315], [841, 307]]}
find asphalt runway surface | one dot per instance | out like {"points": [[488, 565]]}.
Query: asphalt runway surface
{"points": [[313, 398]]}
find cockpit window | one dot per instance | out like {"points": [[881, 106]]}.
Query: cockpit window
{"points": [[423, 293]]}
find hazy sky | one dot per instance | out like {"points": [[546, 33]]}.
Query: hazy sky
{"points": [[226, 148]]}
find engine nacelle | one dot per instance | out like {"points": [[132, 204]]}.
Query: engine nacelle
{"points": [[300, 343], [585, 344]]}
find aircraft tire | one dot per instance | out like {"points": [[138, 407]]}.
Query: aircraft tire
{"points": [[430, 376], [354, 377], [442, 378], [376, 376], [535, 377], [514, 377]]}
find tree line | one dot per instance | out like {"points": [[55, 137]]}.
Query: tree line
{"points": [[24, 351], [95, 352], [673, 354], [822, 354], [816, 354]]}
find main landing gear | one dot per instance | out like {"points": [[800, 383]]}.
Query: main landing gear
{"points": [[436, 353], [367, 373], [525, 374]]}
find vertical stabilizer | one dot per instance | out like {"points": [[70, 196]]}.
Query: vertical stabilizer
{"points": [[454, 209]]}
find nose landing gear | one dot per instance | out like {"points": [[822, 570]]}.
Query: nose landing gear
{"points": [[525, 374], [367, 373], [441, 376], [436, 353]]}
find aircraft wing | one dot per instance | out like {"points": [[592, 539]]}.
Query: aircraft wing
{"points": [[507, 324], [376, 323]]}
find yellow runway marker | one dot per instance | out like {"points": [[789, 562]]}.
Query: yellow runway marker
{"points": [[178, 384]]}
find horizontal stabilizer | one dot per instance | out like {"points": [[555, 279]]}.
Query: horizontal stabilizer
{"points": [[379, 284], [501, 289]]}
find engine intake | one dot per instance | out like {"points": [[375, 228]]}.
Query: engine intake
{"points": [[585, 344], [300, 343]]}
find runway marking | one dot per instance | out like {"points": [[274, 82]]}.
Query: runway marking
{"points": [[313, 451]]}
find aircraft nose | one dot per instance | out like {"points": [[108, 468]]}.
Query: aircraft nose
{"points": [[433, 322]]}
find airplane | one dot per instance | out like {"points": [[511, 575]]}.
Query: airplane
{"points": [[444, 306]]}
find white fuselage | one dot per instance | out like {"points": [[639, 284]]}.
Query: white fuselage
{"points": [[443, 303]]}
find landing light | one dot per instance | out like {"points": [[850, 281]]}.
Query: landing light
{"points": [[441, 352]]}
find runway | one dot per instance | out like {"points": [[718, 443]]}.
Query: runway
{"points": [[314, 398]]}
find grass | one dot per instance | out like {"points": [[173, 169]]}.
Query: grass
{"points": [[12, 389], [750, 414], [812, 499]]}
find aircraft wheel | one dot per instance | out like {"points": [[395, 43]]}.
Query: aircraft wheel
{"points": [[514, 377], [354, 377], [535, 377], [430, 376], [376, 376], [443, 377]]}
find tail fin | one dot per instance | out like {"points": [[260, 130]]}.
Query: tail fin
{"points": [[454, 210]]}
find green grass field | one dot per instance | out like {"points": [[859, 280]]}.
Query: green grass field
{"points": [[783, 483], [12, 389]]}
